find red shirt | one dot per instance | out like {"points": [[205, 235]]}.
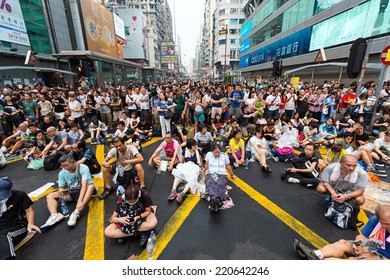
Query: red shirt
{"points": [[348, 97]]}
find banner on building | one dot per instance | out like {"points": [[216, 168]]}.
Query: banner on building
{"points": [[295, 82], [135, 33], [99, 28], [167, 52], [12, 25]]}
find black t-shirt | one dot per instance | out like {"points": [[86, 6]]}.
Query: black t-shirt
{"points": [[45, 126], [41, 146], [245, 121], [364, 137], [57, 107], [144, 201], [379, 121], [16, 213], [305, 162], [217, 97], [177, 136], [91, 111], [143, 127]]}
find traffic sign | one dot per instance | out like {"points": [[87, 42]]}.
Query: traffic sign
{"points": [[385, 56]]}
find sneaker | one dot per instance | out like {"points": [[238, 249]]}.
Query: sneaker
{"points": [[95, 192], [143, 238], [106, 193], [172, 195], [235, 165], [378, 174], [53, 219], [288, 160], [73, 219], [252, 160], [180, 197], [293, 180], [275, 159], [267, 169], [309, 185], [379, 164], [142, 187], [304, 251]]}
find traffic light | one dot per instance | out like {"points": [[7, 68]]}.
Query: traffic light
{"points": [[277, 68], [356, 57]]}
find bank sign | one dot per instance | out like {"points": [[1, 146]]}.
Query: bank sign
{"points": [[12, 26], [295, 44]]}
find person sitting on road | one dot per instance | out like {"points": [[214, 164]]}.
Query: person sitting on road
{"points": [[76, 133], [344, 181], [374, 239], [16, 218], [329, 131], [236, 151], [37, 148], [179, 133], [186, 174], [257, 146], [216, 177], [169, 150], [74, 184], [98, 131], [127, 162], [204, 139], [144, 130], [133, 215], [132, 138], [14, 138], [120, 129], [381, 151], [60, 141], [84, 155], [305, 168]]}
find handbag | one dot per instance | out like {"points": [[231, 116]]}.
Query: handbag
{"points": [[168, 115], [344, 214], [325, 110]]}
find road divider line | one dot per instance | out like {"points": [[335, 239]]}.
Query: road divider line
{"points": [[152, 141], [316, 240], [94, 241], [173, 225]]}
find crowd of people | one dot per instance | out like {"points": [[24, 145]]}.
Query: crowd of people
{"points": [[209, 129]]}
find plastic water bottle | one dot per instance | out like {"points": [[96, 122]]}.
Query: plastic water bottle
{"points": [[154, 240], [159, 170], [252, 157], [149, 249], [246, 163], [64, 208]]}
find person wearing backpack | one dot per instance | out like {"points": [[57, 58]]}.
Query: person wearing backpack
{"points": [[16, 218]]}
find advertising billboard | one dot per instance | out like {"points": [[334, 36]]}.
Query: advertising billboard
{"points": [[167, 52], [119, 25], [99, 28], [363, 21], [135, 33], [12, 26]]}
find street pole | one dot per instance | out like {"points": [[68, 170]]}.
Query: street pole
{"points": [[366, 56], [224, 67]]}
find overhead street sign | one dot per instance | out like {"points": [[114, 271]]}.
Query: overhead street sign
{"points": [[385, 56]]}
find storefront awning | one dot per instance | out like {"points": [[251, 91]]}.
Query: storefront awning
{"points": [[94, 56], [36, 69]]}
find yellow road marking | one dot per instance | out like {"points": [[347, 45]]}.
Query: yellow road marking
{"points": [[50, 190], [94, 242], [173, 225], [14, 160], [316, 240]]}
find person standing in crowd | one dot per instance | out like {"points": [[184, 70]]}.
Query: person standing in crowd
{"points": [[163, 106], [236, 98]]}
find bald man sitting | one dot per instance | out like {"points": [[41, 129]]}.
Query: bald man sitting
{"points": [[344, 180], [59, 141]]}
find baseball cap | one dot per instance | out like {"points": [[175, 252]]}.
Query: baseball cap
{"points": [[5, 188]]}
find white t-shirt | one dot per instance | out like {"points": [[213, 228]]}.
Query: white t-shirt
{"points": [[275, 100], [290, 105], [73, 105], [256, 142], [2, 159], [217, 165], [380, 142]]}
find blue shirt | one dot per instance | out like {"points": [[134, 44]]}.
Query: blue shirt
{"points": [[369, 227], [164, 106], [71, 181], [61, 135], [236, 95]]}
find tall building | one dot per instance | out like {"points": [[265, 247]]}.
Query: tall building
{"points": [[207, 38], [295, 31], [228, 17]]}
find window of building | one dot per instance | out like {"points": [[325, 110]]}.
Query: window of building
{"points": [[233, 11], [233, 21], [222, 11], [222, 42], [233, 54], [232, 41], [233, 31]]}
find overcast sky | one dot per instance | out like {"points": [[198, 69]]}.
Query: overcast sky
{"points": [[189, 16]]}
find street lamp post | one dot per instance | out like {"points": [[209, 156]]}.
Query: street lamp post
{"points": [[225, 59]]}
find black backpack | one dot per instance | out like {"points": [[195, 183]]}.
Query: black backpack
{"points": [[51, 162]]}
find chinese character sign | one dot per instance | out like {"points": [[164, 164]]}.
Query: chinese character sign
{"points": [[12, 26]]}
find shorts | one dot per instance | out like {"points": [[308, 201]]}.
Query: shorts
{"points": [[74, 195], [126, 179]]}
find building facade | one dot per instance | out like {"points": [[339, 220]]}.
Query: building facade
{"points": [[295, 31], [227, 19]]}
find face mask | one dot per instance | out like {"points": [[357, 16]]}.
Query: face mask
{"points": [[178, 127]]}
